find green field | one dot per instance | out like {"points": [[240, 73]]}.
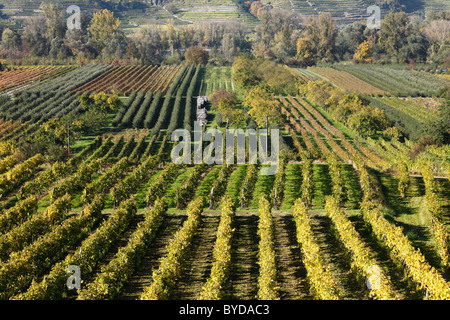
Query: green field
{"points": [[118, 176]]}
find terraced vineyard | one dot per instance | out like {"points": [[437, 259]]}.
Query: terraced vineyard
{"points": [[199, 11], [342, 218], [349, 11], [346, 12]]}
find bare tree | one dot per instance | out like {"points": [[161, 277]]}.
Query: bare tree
{"points": [[34, 36], [438, 31]]}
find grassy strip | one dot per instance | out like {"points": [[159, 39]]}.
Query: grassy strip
{"points": [[235, 183], [292, 185], [263, 187]]}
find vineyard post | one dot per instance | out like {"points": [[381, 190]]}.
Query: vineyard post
{"points": [[275, 200], [211, 198], [68, 139]]}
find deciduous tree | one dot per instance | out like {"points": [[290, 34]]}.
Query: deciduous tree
{"points": [[322, 32], [101, 102], [103, 27], [10, 39], [230, 113], [368, 121], [58, 49], [364, 53], [261, 104], [395, 29], [305, 52], [34, 39], [56, 26], [196, 55]]}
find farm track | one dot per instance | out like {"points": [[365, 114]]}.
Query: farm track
{"points": [[418, 207]]}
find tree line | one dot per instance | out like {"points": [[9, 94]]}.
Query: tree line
{"points": [[281, 35], [101, 37]]}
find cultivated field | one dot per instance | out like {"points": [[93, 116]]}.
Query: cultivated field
{"points": [[397, 80], [341, 214]]}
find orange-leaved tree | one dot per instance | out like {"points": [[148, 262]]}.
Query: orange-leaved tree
{"points": [[364, 53]]}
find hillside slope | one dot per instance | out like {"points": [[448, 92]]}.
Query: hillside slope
{"points": [[135, 14]]}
